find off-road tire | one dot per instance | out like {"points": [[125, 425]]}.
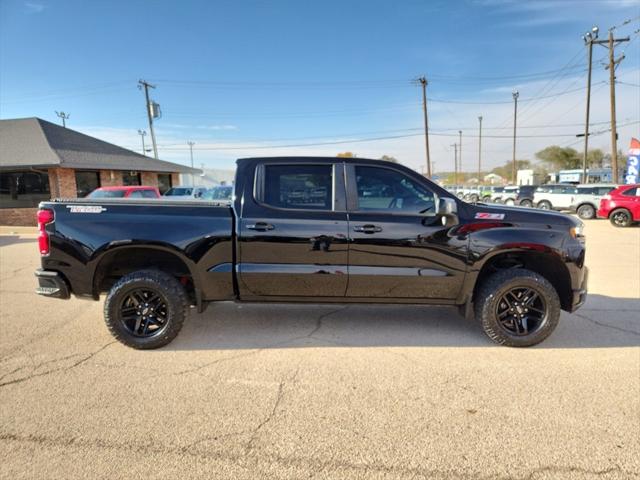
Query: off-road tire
{"points": [[586, 211], [621, 217], [490, 293], [176, 300]]}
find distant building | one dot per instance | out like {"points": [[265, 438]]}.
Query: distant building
{"points": [[529, 177], [40, 160], [210, 177], [493, 179]]}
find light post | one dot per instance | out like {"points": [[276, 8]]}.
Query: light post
{"points": [[142, 133], [515, 94]]}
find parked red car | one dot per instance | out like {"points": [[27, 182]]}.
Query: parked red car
{"points": [[621, 206], [125, 192]]}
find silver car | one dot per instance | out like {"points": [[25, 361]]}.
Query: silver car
{"points": [[586, 201]]}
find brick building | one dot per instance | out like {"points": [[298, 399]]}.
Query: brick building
{"points": [[40, 160]]}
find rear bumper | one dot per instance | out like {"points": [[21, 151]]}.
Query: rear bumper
{"points": [[51, 284], [580, 294]]}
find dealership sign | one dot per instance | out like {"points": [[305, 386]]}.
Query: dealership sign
{"points": [[633, 163]]}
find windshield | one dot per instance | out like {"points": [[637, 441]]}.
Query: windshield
{"points": [[178, 192], [106, 194], [218, 193]]}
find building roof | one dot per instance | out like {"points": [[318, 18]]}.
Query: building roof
{"points": [[33, 142]]}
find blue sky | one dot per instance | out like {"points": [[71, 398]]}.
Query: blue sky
{"points": [[233, 76]]}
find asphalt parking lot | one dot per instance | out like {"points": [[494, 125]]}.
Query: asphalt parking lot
{"points": [[286, 391]]}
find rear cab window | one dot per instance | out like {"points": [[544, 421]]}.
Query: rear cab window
{"points": [[296, 186]]}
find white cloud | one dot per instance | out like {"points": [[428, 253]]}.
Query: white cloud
{"points": [[33, 7]]}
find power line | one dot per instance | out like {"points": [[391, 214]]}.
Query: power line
{"points": [[374, 139]]}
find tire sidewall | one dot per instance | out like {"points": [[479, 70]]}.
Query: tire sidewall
{"points": [[587, 208], [620, 211], [164, 285], [498, 285], [544, 205]]}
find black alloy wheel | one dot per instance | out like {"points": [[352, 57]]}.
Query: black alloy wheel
{"points": [[521, 311], [143, 312]]}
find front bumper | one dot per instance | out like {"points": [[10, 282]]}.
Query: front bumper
{"points": [[580, 294], [51, 284]]}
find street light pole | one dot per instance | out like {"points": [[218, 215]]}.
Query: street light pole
{"points": [[191, 144], [142, 133], [479, 151], [515, 94], [460, 153]]}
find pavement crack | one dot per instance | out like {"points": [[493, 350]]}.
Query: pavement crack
{"points": [[59, 369], [322, 317], [274, 409], [605, 325]]}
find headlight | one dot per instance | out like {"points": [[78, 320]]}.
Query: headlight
{"points": [[577, 231]]}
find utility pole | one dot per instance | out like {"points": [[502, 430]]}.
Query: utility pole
{"points": [[423, 82], [64, 117], [588, 38], [142, 133], [455, 164], [191, 144], [515, 94], [460, 153], [611, 42], [479, 151], [146, 85]]}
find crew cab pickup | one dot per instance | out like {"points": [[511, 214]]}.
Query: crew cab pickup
{"points": [[314, 230]]}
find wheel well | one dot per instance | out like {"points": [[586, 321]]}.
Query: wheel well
{"points": [[544, 264], [122, 261], [587, 203]]}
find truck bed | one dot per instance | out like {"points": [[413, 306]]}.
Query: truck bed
{"points": [[87, 234]]}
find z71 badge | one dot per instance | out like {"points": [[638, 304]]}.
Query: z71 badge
{"points": [[489, 216], [85, 208]]}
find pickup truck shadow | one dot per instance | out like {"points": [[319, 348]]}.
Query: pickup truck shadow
{"points": [[603, 322]]}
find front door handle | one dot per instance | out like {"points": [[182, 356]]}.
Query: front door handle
{"points": [[367, 228], [261, 226]]}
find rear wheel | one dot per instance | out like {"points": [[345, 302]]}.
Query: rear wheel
{"points": [[517, 307], [544, 205], [509, 201], [146, 309], [526, 203], [586, 211], [621, 217]]}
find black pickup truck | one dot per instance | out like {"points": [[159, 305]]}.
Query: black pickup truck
{"points": [[314, 230]]}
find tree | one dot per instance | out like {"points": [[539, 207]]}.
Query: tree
{"points": [[505, 171], [389, 158], [560, 158], [595, 158], [346, 155]]}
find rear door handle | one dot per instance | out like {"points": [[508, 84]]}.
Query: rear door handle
{"points": [[367, 228], [261, 226]]}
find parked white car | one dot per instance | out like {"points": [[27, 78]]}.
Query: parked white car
{"points": [[554, 196], [185, 193], [587, 199]]}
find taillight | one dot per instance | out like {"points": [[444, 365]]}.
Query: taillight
{"points": [[44, 217]]}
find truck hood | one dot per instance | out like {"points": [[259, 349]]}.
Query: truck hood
{"points": [[519, 215]]}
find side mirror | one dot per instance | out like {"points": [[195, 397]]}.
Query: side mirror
{"points": [[448, 211]]}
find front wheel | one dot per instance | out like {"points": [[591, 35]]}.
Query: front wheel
{"points": [[517, 307], [510, 202], [544, 205], [526, 203], [621, 217], [146, 309]]}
